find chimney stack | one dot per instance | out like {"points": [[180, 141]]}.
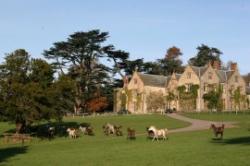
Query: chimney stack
{"points": [[216, 65], [234, 66]]}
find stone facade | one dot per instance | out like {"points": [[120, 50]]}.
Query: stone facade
{"points": [[247, 80], [137, 96]]}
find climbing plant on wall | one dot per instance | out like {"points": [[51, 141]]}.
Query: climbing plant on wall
{"points": [[126, 98], [171, 97], [188, 97], [238, 98], [138, 100], [155, 101], [214, 98]]}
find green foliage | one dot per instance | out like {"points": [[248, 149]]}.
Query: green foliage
{"points": [[238, 98], [181, 89], [205, 54], [61, 95], [138, 100], [214, 99], [129, 94], [192, 93], [25, 85], [44, 76], [172, 63], [123, 99], [15, 67], [155, 101], [133, 65], [153, 68], [126, 97], [188, 97], [170, 97], [167, 65], [80, 56], [231, 151]]}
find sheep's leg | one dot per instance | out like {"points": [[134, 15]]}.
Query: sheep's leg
{"points": [[166, 136], [153, 138]]}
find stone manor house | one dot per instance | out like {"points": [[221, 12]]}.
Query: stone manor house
{"points": [[137, 94]]}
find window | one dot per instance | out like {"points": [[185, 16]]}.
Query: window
{"points": [[188, 87], [188, 75], [210, 75]]}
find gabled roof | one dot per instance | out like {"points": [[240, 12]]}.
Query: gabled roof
{"points": [[224, 75], [178, 76], [199, 71], [229, 74], [153, 80]]}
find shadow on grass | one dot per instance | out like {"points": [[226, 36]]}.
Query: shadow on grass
{"points": [[41, 130], [9, 152], [233, 141]]}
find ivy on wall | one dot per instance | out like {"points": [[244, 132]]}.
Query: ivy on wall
{"points": [[155, 101], [138, 100], [127, 97], [188, 98], [239, 100], [214, 98]]}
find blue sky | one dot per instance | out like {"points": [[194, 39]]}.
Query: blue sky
{"points": [[143, 28]]}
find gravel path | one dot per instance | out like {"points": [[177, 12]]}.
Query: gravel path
{"points": [[196, 124]]}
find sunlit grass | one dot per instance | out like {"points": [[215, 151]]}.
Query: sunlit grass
{"points": [[188, 149]]}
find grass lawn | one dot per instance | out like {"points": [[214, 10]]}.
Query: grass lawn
{"points": [[189, 148], [243, 118]]}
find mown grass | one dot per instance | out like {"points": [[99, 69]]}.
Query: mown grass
{"points": [[243, 118], [189, 148]]}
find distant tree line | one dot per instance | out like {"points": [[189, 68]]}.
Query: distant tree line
{"points": [[76, 77]]}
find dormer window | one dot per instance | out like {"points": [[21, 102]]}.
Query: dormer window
{"points": [[210, 75], [189, 74]]}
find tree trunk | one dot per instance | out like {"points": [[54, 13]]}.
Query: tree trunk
{"points": [[20, 126], [77, 108]]}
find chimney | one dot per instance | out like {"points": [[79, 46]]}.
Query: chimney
{"points": [[234, 66], [216, 65]]}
